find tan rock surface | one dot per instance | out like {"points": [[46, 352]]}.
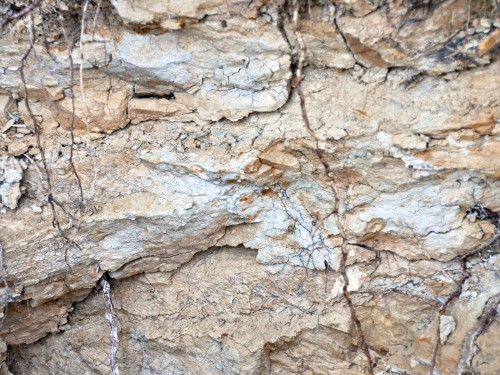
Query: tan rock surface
{"points": [[160, 16], [205, 203]]}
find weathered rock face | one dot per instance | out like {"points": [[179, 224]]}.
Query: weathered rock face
{"points": [[205, 203]]}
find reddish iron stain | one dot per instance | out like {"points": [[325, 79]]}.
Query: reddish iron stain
{"points": [[246, 198], [361, 113], [10, 283], [268, 191]]}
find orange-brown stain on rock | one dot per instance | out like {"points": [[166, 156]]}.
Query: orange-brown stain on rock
{"points": [[223, 338], [489, 42], [268, 191], [424, 154], [115, 34], [316, 215], [251, 217], [145, 28], [364, 52], [423, 340], [181, 22], [381, 350], [476, 157], [252, 167], [347, 175], [484, 126], [59, 48], [125, 158], [10, 284], [247, 198], [383, 241], [361, 113]]}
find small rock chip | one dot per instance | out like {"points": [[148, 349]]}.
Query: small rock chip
{"points": [[447, 326], [36, 209], [18, 148]]}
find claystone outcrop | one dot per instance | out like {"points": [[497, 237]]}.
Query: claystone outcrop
{"points": [[205, 203]]}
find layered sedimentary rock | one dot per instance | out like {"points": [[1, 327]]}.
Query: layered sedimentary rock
{"points": [[205, 203]]}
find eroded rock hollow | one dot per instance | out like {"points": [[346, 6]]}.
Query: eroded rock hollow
{"points": [[163, 147]]}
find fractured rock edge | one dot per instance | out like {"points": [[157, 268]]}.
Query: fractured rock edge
{"points": [[285, 159], [136, 315]]}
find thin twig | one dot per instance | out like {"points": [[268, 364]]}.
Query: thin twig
{"points": [[3, 275], [333, 185], [94, 24], [37, 128], [106, 293], [72, 121], [82, 90], [36, 125], [35, 165], [82, 32], [27, 10], [460, 283], [84, 102], [490, 310]]}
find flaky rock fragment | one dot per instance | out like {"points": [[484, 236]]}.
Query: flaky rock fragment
{"points": [[101, 107], [150, 15], [434, 37], [151, 109], [188, 140], [447, 326], [11, 175], [252, 76]]}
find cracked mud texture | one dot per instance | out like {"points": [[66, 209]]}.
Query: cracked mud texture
{"points": [[207, 208]]}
